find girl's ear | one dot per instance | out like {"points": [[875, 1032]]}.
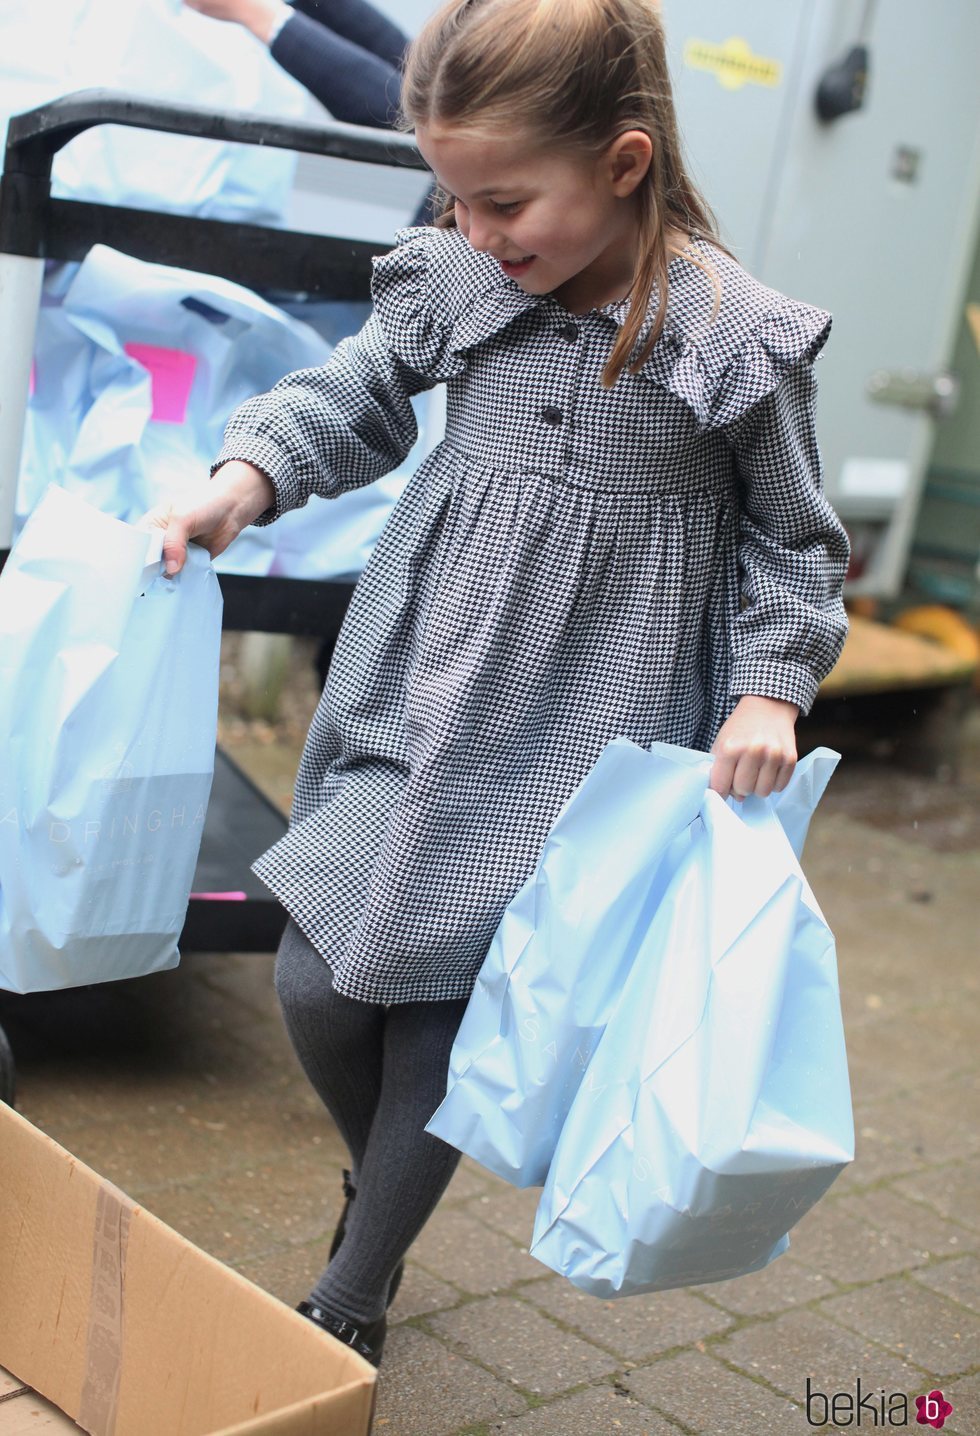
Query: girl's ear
{"points": [[627, 160]]}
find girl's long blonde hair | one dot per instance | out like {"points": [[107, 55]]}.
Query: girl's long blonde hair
{"points": [[574, 74]]}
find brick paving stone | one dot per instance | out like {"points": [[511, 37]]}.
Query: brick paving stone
{"points": [[159, 1153], [806, 1343], [958, 1279], [189, 1209], [459, 1249], [875, 1158], [280, 1201], [858, 1237], [783, 1283], [705, 1396], [964, 1396], [468, 1181], [931, 1130], [287, 1272], [899, 1055], [425, 1390], [941, 1338], [635, 1328], [508, 1209], [521, 1345], [913, 1222], [600, 1411], [951, 1190], [845, 1247], [420, 1293]]}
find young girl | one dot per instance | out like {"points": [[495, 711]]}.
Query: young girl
{"points": [[623, 534]]}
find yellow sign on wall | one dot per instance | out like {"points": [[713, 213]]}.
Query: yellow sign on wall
{"points": [[733, 63]]}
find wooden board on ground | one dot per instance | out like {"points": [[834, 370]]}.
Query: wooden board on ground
{"points": [[878, 658]]}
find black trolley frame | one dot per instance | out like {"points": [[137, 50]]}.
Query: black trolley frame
{"points": [[35, 227]]}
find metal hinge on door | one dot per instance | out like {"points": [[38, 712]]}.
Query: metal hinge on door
{"points": [[937, 394]]}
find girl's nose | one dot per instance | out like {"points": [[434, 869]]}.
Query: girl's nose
{"points": [[482, 233]]}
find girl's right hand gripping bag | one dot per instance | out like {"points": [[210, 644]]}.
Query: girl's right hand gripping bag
{"points": [[717, 1107]]}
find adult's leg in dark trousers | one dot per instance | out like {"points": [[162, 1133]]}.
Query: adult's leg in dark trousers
{"points": [[404, 1170], [339, 1042]]}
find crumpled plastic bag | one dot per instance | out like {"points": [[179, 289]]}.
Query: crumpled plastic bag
{"points": [[716, 1109], [555, 970], [656, 1034], [137, 369], [108, 715], [158, 49]]}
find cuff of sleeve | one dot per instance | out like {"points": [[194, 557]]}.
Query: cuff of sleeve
{"points": [[291, 490], [279, 23], [792, 682]]}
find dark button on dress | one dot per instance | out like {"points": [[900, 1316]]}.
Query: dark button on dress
{"points": [[628, 567]]}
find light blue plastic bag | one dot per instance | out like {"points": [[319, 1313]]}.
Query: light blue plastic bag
{"points": [[157, 49], [564, 948], [137, 369], [716, 1108], [108, 710]]}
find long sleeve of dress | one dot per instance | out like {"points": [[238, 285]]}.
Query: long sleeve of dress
{"points": [[329, 429], [793, 550], [348, 422], [352, 81]]}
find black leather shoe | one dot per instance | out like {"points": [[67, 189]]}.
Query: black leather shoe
{"points": [[367, 1340], [350, 1192]]}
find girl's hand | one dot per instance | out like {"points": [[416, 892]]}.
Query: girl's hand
{"points": [[755, 751], [215, 514]]}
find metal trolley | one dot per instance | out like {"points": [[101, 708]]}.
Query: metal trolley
{"points": [[34, 228]]}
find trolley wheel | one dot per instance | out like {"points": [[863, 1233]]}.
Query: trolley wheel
{"points": [[7, 1071]]}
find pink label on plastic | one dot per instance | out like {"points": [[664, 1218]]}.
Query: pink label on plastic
{"points": [[220, 897], [171, 376], [32, 382]]}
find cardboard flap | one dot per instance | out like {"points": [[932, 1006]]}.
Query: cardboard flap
{"points": [[133, 1331]]}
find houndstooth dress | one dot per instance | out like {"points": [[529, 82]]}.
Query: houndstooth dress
{"points": [[570, 565]]}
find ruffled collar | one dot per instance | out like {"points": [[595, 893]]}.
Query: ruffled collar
{"points": [[500, 300]]}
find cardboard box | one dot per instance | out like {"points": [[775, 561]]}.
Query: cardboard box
{"points": [[132, 1331]]}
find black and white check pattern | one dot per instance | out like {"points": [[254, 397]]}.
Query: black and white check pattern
{"points": [[569, 566]]}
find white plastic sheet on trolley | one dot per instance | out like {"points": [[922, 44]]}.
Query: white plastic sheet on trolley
{"points": [[137, 368], [158, 49]]}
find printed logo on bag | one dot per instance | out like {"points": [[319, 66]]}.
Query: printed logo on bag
{"points": [[530, 1032], [121, 808], [868, 1407]]}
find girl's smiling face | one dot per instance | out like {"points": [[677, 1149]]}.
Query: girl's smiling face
{"points": [[560, 223]]}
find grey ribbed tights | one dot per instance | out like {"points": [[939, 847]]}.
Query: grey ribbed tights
{"points": [[381, 1073]]}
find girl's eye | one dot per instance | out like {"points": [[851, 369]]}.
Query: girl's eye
{"points": [[510, 208]]}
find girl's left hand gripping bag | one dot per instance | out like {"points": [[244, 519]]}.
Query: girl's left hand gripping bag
{"points": [[108, 708]]}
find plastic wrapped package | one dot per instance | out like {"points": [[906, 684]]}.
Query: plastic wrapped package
{"points": [[137, 368], [156, 49], [656, 1032], [108, 715]]}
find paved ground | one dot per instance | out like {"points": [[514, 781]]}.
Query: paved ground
{"points": [[182, 1090]]}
